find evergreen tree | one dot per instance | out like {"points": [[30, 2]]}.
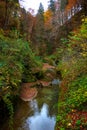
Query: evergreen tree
{"points": [[52, 5], [40, 20], [63, 4], [41, 9], [40, 17], [38, 32]]}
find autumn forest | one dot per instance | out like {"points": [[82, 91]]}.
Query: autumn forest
{"points": [[32, 46]]}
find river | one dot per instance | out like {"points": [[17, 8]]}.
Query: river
{"points": [[38, 114]]}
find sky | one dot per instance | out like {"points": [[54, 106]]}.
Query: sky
{"points": [[34, 4]]}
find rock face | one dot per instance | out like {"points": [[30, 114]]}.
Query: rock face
{"points": [[27, 93]]}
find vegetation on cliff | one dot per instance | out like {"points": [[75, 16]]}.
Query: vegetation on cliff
{"points": [[72, 105]]}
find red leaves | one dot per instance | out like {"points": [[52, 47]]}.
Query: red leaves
{"points": [[76, 116]]}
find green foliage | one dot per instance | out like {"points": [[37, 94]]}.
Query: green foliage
{"points": [[74, 56], [62, 128], [63, 4], [11, 67], [8, 102], [77, 95], [73, 67], [38, 34], [51, 59], [78, 122], [41, 9], [38, 61], [16, 64]]}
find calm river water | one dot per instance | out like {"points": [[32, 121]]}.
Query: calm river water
{"points": [[38, 114]]}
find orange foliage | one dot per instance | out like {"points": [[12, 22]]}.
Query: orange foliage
{"points": [[48, 17], [70, 4]]}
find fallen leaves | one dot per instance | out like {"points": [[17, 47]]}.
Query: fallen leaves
{"points": [[77, 118]]}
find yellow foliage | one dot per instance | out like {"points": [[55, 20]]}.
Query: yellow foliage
{"points": [[48, 17], [85, 94], [48, 14]]}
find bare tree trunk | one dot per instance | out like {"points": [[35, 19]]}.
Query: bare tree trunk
{"points": [[84, 6], [6, 14]]}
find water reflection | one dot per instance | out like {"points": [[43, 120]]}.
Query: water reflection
{"points": [[41, 119]]}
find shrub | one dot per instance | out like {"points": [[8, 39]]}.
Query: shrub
{"points": [[73, 67], [16, 63]]}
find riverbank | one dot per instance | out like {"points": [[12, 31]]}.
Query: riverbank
{"points": [[41, 111], [72, 103]]}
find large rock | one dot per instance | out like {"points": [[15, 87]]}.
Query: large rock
{"points": [[27, 93]]}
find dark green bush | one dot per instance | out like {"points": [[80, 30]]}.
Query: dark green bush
{"points": [[16, 63]]}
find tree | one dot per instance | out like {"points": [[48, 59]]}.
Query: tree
{"points": [[26, 24], [40, 22], [63, 4], [48, 18], [38, 30], [84, 6], [52, 6], [40, 10], [11, 8]]}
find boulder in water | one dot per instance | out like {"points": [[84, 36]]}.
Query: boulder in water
{"points": [[27, 93]]}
